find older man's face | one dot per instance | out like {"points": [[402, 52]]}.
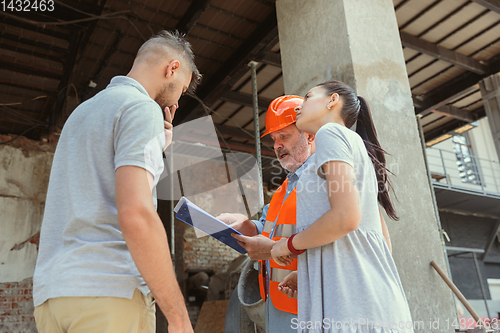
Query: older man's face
{"points": [[291, 147]]}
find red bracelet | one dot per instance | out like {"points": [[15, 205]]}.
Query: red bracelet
{"points": [[291, 248]]}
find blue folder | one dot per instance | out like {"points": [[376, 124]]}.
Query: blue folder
{"points": [[189, 213]]}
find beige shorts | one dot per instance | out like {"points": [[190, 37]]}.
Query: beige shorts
{"points": [[97, 315]]}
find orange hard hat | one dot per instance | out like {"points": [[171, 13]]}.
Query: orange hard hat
{"points": [[281, 112]]}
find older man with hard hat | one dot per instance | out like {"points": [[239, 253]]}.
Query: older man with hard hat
{"points": [[293, 149]]}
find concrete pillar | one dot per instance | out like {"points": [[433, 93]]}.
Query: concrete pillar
{"points": [[357, 41], [490, 91]]}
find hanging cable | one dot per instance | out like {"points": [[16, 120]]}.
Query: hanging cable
{"points": [[19, 103], [20, 135], [212, 112], [101, 17]]}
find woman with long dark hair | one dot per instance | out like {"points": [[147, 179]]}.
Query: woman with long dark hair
{"points": [[347, 279]]}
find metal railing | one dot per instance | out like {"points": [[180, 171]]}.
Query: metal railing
{"points": [[447, 168]]}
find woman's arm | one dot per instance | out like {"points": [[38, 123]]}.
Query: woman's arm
{"points": [[344, 215], [385, 231]]}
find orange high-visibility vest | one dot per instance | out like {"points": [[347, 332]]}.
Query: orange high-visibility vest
{"points": [[286, 212]]}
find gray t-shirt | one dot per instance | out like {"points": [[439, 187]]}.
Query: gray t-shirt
{"points": [[354, 279], [82, 250]]}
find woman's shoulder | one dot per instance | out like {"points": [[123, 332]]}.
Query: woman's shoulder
{"points": [[340, 131], [334, 129]]}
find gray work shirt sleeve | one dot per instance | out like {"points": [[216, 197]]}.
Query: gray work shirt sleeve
{"points": [[259, 224], [139, 138]]}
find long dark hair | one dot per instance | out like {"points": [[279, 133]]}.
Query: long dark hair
{"points": [[355, 108]]}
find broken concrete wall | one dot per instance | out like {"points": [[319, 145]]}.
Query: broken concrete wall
{"points": [[24, 177]]}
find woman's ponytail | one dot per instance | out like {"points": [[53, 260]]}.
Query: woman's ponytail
{"points": [[366, 129], [355, 110]]}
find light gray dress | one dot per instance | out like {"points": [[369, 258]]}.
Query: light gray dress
{"points": [[351, 285]]}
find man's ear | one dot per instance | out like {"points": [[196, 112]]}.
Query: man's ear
{"points": [[172, 67], [310, 138]]}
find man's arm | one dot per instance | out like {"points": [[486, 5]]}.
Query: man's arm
{"points": [[147, 242], [259, 224], [239, 222], [258, 247], [243, 224]]}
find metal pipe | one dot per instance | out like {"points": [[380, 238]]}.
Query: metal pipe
{"points": [[433, 194], [444, 167], [457, 292], [172, 206], [255, 99], [480, 278]]}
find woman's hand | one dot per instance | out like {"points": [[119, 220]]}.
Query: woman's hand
{"points": [[289, 285], [280, 253]]}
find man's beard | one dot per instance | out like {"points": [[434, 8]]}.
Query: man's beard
{"points": [[301, 152], [163, 99]]}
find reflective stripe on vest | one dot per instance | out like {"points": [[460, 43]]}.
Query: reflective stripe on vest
{"points": [[284, 213], [284, 230], [268, 226]]}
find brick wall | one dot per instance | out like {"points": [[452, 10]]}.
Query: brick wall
{"points": [[16, 307], [206, 252]]}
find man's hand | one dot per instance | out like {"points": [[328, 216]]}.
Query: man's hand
{"points": [[239, 222], [281, 254], [167, 123], [289, 285], [258, 247]]}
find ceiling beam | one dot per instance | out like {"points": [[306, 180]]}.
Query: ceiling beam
{"points": [[87, 33], [102, 65], [271, 58], [31, 52], [450, 111], [493, 5], [44, 30], [30, 42], [443, 129], [244, 99], [39, 89], [454, 88], [74, 44], [491, 239], [238, 133], [247, 148], [451, 125], [29, 69], [193, 13], [441, 53], [240, 146], [236, 65]]}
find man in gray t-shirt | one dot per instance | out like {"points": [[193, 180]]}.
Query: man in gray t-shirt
{"points": [[103, 248]]}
